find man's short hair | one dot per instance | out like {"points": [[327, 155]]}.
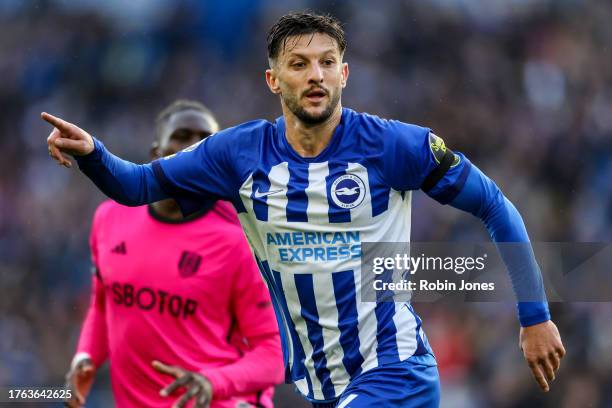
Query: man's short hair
{"points": [[304, 22], [179, 105]]}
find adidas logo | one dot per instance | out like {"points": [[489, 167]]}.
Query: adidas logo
{"points": [[119, 249]]}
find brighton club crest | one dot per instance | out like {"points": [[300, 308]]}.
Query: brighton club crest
{"points": [[348, 191]]}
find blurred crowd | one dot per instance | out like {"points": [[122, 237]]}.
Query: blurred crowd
{"points": [[523, 87]]}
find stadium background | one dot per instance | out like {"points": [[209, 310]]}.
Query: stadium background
{"points": [[524, 87]]}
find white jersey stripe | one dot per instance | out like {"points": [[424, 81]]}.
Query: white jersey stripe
{"points": [[318, 206], [277, 198], [406, 324], [328, 319], [367, 327], [293, 304]]}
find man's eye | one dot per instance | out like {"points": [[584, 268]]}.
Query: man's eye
{"points": [[328, 62], [181, 136], [298, 64]]}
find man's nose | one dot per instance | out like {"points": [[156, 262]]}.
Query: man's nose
{"points": [[316, 73]]}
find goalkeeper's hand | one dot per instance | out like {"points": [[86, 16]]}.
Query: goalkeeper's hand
{"points": [[79, 380], [196, 386], [543, 350]]}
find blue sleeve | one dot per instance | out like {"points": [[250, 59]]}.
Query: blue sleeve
{"points": [[211, 169], [481, 197], [125, 182], [411, 153]]}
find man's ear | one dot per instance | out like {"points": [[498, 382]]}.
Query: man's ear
{"points": [[272, 81], [345, 74]]}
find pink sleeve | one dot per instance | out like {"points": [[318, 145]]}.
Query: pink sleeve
{"points": [[261, 365], [93, 339]]}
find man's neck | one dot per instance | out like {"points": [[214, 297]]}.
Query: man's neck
{"points": [[168, 209], [310, 140]]}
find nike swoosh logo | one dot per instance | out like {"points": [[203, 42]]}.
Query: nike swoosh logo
{"points": [[260, 194]]}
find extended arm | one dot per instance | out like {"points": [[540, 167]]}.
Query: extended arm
{"points": [[127, 183], [199, 174], [539, 338], [417, 158], [482, 198]]}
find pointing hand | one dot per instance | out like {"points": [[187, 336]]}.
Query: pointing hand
{"points": [[67, 138]]}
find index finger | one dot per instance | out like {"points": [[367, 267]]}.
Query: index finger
{"points": [[166, 369], [61, 124]]}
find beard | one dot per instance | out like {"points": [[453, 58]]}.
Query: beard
{"points": [[304, 116]]}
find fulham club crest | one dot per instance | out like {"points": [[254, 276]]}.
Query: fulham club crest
{"points": [[189, 263]]}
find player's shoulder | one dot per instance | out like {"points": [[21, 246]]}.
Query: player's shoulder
{"points": [[221, 225], [105, 207], [244, 133], [376, 127], [102, 214], [226, 212], [110, 208]]}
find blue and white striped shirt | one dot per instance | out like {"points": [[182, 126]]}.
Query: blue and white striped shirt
{"points": [[305, 219]]}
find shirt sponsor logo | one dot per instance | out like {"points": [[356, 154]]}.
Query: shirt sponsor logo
{"points": [[348, 191], [149, 299], [303, 247]]}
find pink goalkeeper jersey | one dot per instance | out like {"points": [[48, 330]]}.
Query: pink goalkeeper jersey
{"points": [[186, 294]]}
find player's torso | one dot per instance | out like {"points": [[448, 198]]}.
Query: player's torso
{"points": [[167, 293], [159, 269], [306, 220], [310, 212]]}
